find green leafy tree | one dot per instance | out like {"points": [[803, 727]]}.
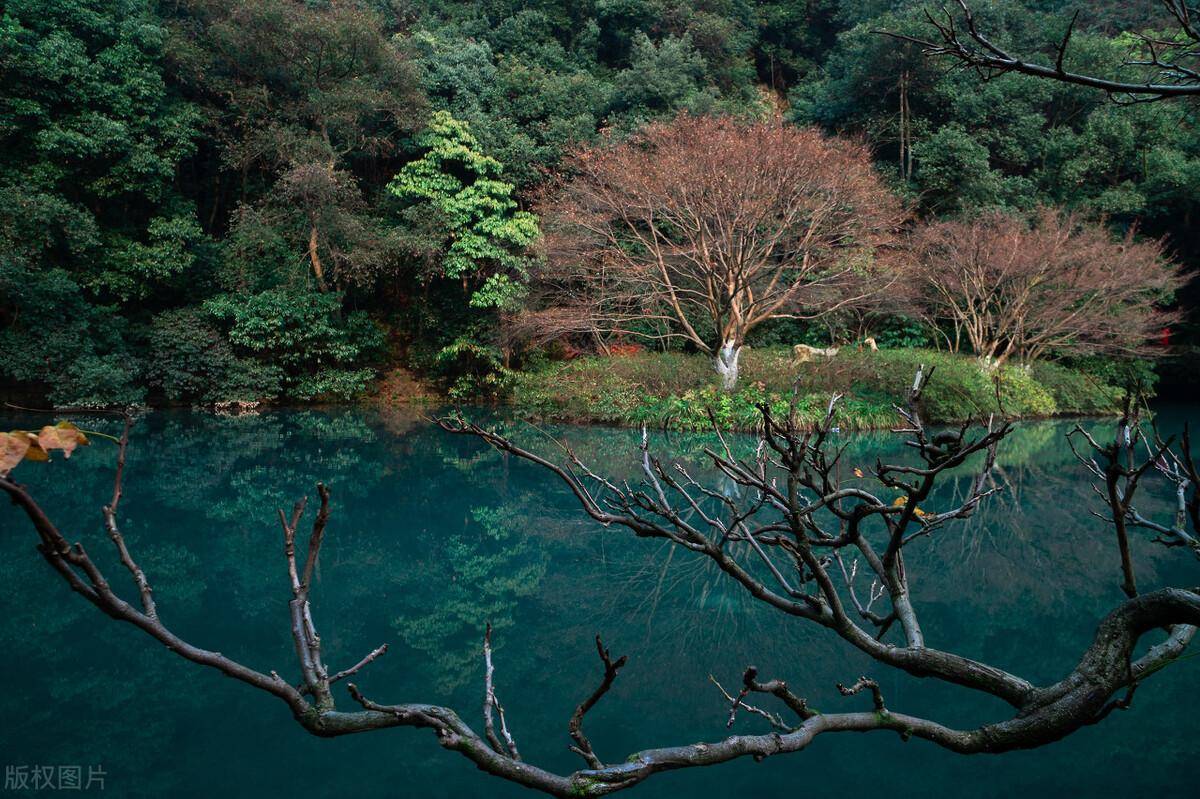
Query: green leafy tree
{"points": [[484, 235], [1010, 142], [91, 224], [662, 78], [526, 109], [299, 97]]}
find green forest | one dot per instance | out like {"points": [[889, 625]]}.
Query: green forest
{"points": [[213, 201]]}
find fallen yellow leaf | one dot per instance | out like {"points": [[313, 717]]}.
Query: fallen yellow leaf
{"points": [[35, 451], [13, 447], [64, 435]]}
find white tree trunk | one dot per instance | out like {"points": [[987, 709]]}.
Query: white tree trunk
{"points": [[726, 364]]}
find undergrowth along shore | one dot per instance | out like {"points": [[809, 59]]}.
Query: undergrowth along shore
{"points": [[678, 391]]}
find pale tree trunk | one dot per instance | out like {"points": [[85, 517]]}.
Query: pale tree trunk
{"points": [[726, 364], [315, 257]]}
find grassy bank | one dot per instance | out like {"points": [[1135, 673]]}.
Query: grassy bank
{"points": [[677, 391]]}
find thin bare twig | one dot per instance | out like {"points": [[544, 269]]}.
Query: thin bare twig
{"points": [[583, 747]]}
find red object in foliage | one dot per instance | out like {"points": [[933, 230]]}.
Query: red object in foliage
{"points": [[624, 350], [1164, 337]]}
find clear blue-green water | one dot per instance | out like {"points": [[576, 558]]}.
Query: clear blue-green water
{"points": [[432, 536]]}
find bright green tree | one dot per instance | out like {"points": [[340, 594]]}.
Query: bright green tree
{"points": [[484, 236]]}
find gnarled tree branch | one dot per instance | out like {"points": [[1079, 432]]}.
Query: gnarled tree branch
{"points": [[778, 540], [1171, 66]]}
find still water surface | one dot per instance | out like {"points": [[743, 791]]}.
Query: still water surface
{"points": [[433, 535]]}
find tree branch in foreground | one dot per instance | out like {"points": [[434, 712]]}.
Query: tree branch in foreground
{"points": [[778, 537], [1171, 64]]}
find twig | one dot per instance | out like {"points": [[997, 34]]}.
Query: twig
{"points": [[583, 747], [490, 702], [861, 684]]}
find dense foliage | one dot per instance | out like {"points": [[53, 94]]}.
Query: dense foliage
{"points": [[239, 200], [674, 391]]}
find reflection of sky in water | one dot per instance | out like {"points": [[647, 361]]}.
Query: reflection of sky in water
{"points": [[431, 536]]}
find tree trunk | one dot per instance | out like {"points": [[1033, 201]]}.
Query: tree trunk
{"points": [[726, 364], [315, 257], [906, 153]]}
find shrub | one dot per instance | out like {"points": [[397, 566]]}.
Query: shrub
{"points": [[98, 381], [304, 336], [58, 340], [333, 383], [190, 361], [1125, 373], [1076, 390], [472, 369]]}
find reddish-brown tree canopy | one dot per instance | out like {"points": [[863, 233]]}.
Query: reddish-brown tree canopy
{"points": [[1056, 284], [704, 227]]}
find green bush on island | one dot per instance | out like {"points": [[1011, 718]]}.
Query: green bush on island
{"points": [[680, 391]]}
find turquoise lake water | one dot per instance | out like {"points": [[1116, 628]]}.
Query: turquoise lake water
{"points": [[433, 535]]}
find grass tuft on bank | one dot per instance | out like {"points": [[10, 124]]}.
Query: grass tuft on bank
{"points": [[677, 391]]}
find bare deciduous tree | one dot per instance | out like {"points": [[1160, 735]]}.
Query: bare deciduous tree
{"points": [[1162, 66], [702, 228], [796, 538], [1013, 288]]}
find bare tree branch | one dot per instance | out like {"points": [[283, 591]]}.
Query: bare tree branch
{"points": [[490, 703], [1165, 62], [794, 506], [583, 747], [864, 684]]}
